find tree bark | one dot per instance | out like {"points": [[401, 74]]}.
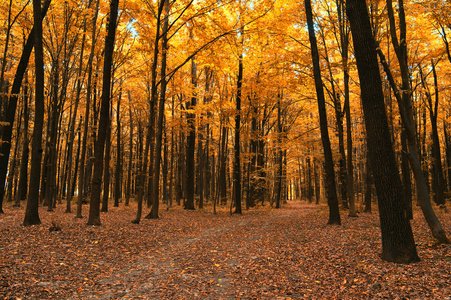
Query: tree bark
{"points": [[118, 174], [159, 136], [12, 104], [32, 213], [82, 166], [94, 208], [405, 108], [237, 147], [398, 244], [332, 199]]}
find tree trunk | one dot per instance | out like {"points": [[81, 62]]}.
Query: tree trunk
{"points": [[159, 136], [23, 173], [130, 156], [191, 143], [405, 108], [237, 147], [332, 199], [82, 166], [405, 171], [398, 244], [106, 169], [12, 104], [439, 195], [94, 208], [32, 213], [118, 175]]}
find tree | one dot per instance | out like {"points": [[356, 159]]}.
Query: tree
{"points": [[32, 213], [332, 199], [404, 100], [398, 244], [12, 104], [94, 208]]}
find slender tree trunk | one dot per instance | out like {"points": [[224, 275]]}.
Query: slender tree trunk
{"points": [[23, 173], [94, 208], [82, 179], [237, 148], [32, 213], [439, 195], [191, 144], [118, 175], [159, 137], [130, 156], [332, 199], [106, 169], [280, 152], [12, 104]]}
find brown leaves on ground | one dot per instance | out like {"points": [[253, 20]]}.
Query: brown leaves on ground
{"points": [[287, 253]]}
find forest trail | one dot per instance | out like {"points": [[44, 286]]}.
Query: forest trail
{"points": [[265, 253]]}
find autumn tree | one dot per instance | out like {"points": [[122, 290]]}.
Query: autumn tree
{"points": [[32, 213], [94, 208], [332, 199], [398, 244]]}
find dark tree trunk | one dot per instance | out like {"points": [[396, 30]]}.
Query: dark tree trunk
{"points": [[448, 154], [82, 166], [222, 161], [118, 175], [12, 104], [398, 244], [368, 184], [23, 173], [106, 169], [316, 178], [405, 171], [70, 145], [141, 177], [332, 199], [280, 152], [32, 213], [405, 108], [191, 144], [159, 136], [77, 159], [94, 208], [237, 147], [439, 195], [130, 157]]}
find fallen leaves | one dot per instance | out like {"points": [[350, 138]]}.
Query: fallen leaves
{"points": [[264, 254]]}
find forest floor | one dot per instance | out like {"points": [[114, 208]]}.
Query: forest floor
{"points": [[287, 253]]}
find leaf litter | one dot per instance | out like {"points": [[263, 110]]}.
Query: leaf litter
{"points": [[286, 253]]}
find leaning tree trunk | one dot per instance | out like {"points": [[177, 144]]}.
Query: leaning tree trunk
{"points": [[23, 173], [398, 244], [332, 199], [405, 108]]}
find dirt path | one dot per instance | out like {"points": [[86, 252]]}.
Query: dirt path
{"points": [[287, 253], [209, 265]]}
